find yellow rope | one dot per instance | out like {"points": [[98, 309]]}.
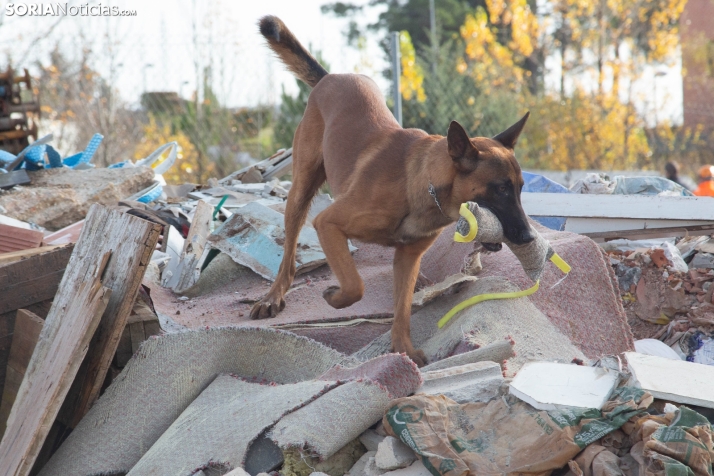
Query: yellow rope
{"points": [[485, 297]]}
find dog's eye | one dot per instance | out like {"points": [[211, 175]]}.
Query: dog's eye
{"points": [[502, 188]]}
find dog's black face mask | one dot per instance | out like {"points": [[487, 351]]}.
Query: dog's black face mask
{"points": [[503, 198]]}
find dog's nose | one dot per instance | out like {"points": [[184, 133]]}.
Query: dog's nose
{"points": [[527, 236], [521, 237]]}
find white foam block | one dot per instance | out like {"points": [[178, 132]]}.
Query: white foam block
{"points": [[549, 385], [676, 380]]}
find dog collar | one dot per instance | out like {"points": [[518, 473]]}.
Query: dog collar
{"points": [[432, 192]]}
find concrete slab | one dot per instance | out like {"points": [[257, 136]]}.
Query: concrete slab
{"points": [[475, 382], [676, 380], [549, 385]]}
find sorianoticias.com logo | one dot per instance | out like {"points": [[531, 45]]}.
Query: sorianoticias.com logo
{"points": [[64, 9]]}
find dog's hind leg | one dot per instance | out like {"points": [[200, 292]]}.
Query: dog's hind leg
{"points": [[407, 259], [308, 176]]}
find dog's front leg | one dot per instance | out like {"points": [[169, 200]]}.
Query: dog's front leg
{"points": [[406, 270], [333, 239]]}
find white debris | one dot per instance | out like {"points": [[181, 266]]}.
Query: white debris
{"points": [[393, 454]]}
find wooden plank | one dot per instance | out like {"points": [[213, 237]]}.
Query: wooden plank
{"points": [[132, 241], [25, 336], [73, 318], [189, 269], [7, 327], [618, 206], [18, 255], [32, 279], [13, 238]]}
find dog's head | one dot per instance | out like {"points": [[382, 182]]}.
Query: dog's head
{"points": [[487, 173]]}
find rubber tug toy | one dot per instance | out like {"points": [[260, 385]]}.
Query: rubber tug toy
{"points": [[480, 224]]}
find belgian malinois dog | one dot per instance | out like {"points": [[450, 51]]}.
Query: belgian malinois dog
{"points": [[392, 186]]}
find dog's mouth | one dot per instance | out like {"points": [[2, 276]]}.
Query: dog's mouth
{"points": [[492, 246]]}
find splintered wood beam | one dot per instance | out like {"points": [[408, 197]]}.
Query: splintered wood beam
{"points": [[132, 241], [28, 326], [73, 318], [32, 279]]}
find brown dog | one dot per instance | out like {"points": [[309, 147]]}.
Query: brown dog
{"points": [[392, 186]]}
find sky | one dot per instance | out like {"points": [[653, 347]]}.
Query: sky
{"points": [[161, 47], [168, 41]]}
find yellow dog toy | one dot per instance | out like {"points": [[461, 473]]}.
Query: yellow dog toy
{"points": [[480, 224]]}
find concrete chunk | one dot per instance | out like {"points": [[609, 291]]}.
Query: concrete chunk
{"points": [[371, 468], [549, 385], [358, 469], [371, 440], [475, 382], [393, 454]]}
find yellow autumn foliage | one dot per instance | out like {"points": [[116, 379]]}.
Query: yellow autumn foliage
{"points": [[187, 167], [412, 79], [581, 128]]}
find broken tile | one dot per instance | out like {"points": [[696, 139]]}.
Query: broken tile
{"points": [[678, 381], [550, 385], [476, 382], [254, 237]]}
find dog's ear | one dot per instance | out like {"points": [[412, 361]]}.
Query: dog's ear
{"points": [[509, 137], [461, 150]]}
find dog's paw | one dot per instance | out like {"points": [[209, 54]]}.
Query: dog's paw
{"points": [[338, 299], [267, 307], [416, 355]]}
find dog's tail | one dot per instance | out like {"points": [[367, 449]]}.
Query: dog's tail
{"points": [[290, 51]]}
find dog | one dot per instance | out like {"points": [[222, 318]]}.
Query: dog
{"points": [[392, 186]]}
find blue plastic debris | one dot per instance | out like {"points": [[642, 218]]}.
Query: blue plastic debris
{"points": [[534, 183], [9, 161], [151, 194], [53, 157], [35, 158], [84, 157]]}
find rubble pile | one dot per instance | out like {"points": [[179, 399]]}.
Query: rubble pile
{"points": [[667, 291], [126, 345]]}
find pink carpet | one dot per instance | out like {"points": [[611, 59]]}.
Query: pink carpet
{"points": [[585, 306]]}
